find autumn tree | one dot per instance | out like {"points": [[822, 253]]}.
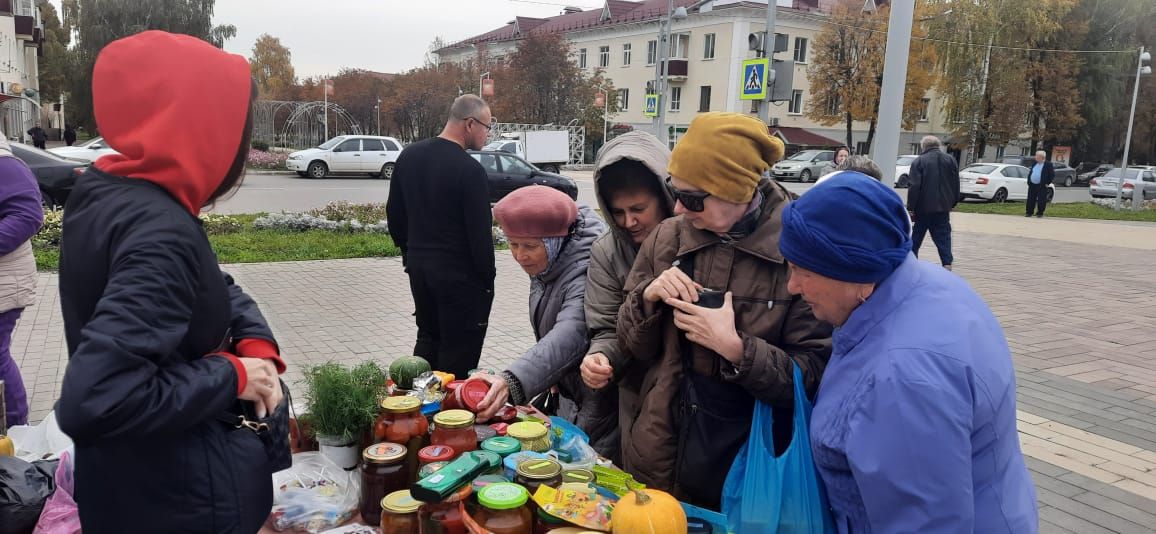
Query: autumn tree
{"points": [[539, 89], [53, 63], [272, 66], [415, 104]]}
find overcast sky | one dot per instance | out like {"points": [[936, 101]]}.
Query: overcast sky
{"points": [[380, 35]]}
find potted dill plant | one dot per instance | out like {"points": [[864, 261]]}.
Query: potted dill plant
{"points": [[342, 404]]}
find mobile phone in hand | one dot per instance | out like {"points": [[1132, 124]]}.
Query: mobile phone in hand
{"points": [[711, 298]]}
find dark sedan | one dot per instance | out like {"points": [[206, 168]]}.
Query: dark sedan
{"points": [[55, 174], [508, 172]]}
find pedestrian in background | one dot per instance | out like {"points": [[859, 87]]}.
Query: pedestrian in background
{"points": [[69, 135], [933, 194], [39, 136], [439, 215], [1042, 174]]}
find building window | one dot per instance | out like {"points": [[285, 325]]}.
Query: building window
{"points": [[800, 50], [834, 107], [957, 117], [651, 52], [675, 98], [679, 43], [623, 99], [581, 58], [796, 105], [924, 105], [999, 150], [704, 97], [915, 149], [626, 54], [861, 147], [604, 56], [708, 47]]}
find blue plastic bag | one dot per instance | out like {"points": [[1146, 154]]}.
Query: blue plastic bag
{"points": [[768, 495]]}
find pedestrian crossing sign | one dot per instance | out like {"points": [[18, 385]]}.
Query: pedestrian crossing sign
{"points": [[651, 108], [755, 79]]}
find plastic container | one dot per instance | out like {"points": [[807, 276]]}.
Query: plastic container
{"points": [[503, 445], [455, 429], [399, 514], [383, 471], [503, 509], [401, 422], [435, 453], [533, 436]]}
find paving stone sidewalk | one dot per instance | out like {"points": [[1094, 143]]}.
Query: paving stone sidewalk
{"points": [[1080, 318]]}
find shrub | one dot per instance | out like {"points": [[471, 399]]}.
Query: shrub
{"points": [[51, 231], [216, 224], [345, 211], [260, 145], [303, 222]]}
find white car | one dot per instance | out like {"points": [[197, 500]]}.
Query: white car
{"points": [[996, 182], [369, 154], [86, 152], [903, 170]]}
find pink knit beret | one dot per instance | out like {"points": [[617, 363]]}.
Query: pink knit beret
{"points": [[536, 211]]}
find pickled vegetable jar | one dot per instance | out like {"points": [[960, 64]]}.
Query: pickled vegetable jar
{"points": [[503, 509], [399, 513], [401, 422]]}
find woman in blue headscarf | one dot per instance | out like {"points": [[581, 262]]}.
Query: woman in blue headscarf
{"points": [[914, 425]]}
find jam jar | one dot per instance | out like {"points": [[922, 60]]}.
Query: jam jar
{"points": [[399, 513], [533, 436], [401, 422], [503, 509], [444, 517], [435, 453], [383, 471], [455, 429], [535, 473]]}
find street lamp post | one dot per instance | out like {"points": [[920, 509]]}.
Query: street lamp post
{"points": [[1137, 192], [605, 110], [663, 70], [377, 115]]}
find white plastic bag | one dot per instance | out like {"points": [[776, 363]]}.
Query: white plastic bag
{"points": [[40, 442], [314, 495]]}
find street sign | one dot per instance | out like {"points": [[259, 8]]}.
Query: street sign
{"points": [[651, 109], [755, 79]]}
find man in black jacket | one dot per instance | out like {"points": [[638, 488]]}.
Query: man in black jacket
{"points": [[439, 215], [933, 194], [1040, 176], [39, 136]]}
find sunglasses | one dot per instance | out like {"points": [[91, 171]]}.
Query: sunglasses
{"points": [[488, 127], [691, 200]]}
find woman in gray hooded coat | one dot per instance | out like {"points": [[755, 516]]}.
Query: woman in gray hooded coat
{"points": [[550, 238]]}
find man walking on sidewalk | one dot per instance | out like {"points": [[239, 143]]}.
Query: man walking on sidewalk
{"points": [[1042, 175], [439, 215], [933, 194]]}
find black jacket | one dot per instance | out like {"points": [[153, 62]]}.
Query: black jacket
{"points": [[144, 302], [439, 210], [1047, 174], [934, 183]]}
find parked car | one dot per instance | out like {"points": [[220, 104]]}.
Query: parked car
{"points": [[56, 175], [548, 150], [508, 172], [997, 182], [1142, 178], [1065, 175], [86, 152], [346, 154], [1086, 171], [903, 170], [803, 166]]}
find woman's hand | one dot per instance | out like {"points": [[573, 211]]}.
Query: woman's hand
{"points": [[672, 284], [263, 388], [495, 399], [596, 370], [711, 328]]}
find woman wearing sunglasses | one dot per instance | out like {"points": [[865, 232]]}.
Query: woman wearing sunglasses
{"points": [[739, 348]]}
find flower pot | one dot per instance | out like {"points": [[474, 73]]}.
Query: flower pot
{"points": [[339, 451]]}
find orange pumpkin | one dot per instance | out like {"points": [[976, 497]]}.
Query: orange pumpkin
{"points": [[648, 511]]}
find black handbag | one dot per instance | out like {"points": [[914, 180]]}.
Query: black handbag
{"points": [[273, 429]]}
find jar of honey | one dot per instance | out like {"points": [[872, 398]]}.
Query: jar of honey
{"points": [[383, 471], [503, 509], [399, 513], [533, 436], [455, 429], [401, 422]]}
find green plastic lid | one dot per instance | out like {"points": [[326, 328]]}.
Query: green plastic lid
{"points": [[491, 457], [503, 445], [503, 496]]}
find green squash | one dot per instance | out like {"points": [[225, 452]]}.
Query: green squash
{"points": [[403, 370]]}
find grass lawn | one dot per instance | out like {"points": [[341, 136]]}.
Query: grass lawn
{"points": [[1076, 210]]}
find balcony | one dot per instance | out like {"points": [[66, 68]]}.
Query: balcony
{"points": [[676, 70], [24, 27]]}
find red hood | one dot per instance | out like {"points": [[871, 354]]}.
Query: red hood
{"points": [[175, 108]]}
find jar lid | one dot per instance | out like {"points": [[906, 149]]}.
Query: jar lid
{"points": [[472, 392], [503, 445], [491, 457], [454, 419], [527, 430], [404, 404], [484, 432], [581, 476], [486, 480], [436, 453], [384, 453], [539, 469], [400, 502], [503, 496]]}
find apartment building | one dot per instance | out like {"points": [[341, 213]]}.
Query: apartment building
{"points": [[706, 52], [21, 34]]}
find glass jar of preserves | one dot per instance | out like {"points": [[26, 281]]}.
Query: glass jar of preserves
{"points": [[435, 453], [533, 436], [383, 471], [535, 473], [503, 509], [455, 429], [444, 517], [399, 513], [401, 422]]}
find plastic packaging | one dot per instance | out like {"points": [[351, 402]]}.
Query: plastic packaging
{"points": [[314, 495], [41, 441], [24, 488], [60, 515]]}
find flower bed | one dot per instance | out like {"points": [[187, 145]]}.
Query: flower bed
{"points": [[274, 161]]}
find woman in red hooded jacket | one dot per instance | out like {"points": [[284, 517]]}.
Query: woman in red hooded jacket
{"points": [[163, 347]]}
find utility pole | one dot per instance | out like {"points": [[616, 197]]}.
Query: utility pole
{"points": [[894, 85], [1138, 188], [769, 53], [663, 52], [974, 129]]}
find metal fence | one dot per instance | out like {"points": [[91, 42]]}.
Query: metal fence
{"points": [[293, 124]]}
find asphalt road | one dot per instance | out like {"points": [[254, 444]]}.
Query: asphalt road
{"points": [[289, 192]]}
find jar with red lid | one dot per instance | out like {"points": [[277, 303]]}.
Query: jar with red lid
{"points": [[444, 517], [455, 429], [401, 422], [435, 453], [450, 402], [383, 471], [399, 513]]}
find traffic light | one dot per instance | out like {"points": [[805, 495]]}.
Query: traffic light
{"points": [[1145, 59], [757, 41]]}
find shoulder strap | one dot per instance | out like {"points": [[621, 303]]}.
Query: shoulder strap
{"points": [[686, 265]]}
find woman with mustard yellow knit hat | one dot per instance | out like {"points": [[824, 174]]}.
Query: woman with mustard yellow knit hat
{"points": [[707, 358]]}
